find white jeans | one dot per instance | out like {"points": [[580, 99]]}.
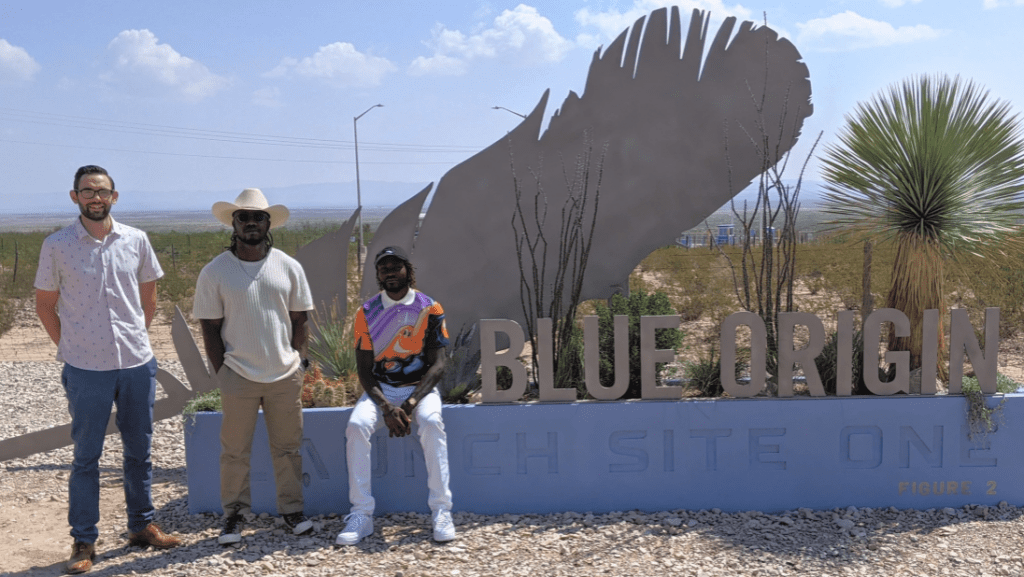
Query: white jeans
{"points": [[366, 418]]}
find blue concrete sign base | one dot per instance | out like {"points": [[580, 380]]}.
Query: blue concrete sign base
{"points": [[735, 454]]}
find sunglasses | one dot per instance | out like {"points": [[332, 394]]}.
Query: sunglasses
{"points": [[257, 216]]}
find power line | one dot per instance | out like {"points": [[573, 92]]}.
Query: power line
{"points": [[159, 130], [402, 163]]}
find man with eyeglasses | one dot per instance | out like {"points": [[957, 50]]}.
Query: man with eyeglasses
{"points": [[96, 296], [252, 302]]}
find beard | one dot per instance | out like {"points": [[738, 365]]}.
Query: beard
{"points": [[253, 241], [396, 285], [96, 215]]}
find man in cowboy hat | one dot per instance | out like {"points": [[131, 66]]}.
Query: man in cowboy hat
{"points": [[90, 273], [252, 302], [400, 340]]}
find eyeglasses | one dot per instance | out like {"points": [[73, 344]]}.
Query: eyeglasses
{"points": [[257, 216], [88, 193]]}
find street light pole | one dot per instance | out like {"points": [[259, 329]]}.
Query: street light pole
{"points": [[507, 110], [359, 192]]}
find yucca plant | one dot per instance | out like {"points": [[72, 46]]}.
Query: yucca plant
{"points": [[331, 343], [936, 167]]}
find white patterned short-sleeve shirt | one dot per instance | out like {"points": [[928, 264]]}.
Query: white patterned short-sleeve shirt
{"points": [[102, 324]]}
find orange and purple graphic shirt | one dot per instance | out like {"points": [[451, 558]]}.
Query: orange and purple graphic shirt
{"points": [[399, 337]]}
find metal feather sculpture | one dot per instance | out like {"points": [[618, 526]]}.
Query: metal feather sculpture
{"points": [[663, 113]]}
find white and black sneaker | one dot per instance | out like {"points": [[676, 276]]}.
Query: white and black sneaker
{"points": [[232, 531], [298, 523]]}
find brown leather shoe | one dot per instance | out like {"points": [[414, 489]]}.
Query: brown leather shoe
{"points": [[153, 535], [82, 556]]}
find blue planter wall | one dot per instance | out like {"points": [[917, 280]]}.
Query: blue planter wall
{"points": [[753, 454]]}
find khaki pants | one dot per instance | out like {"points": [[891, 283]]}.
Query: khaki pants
{"points": [[282, 411]]}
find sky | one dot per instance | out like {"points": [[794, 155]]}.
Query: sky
{"points": [[220, 96]]}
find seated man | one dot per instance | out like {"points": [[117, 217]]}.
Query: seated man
{"points": [[400, 340]]}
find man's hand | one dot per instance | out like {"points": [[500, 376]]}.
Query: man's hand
{"points": [[46, 308], [397, 420], [409, 406], [213, 342]]}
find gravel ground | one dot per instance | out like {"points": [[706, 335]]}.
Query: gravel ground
{"points": [[969, 541]]}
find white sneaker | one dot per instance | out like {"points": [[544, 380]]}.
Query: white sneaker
{"points": [[444, 527], [357, 526]]}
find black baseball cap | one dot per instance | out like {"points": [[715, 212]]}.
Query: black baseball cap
{"points": [[395, 251]]}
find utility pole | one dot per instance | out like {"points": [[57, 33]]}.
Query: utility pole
{"points": [[359, 192]]}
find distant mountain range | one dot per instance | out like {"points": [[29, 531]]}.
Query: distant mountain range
{"points": [[307, 196], [324, 195], [810, 194]]}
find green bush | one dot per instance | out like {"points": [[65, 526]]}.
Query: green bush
{"points": [[8, 308], [19, 256], [460, 378], [331, 343], [992, 282], [705, 374], [694, 281], [637, 305], [827, 363], [209, 401], [1004, 385], [981, 418], [569, 364]]}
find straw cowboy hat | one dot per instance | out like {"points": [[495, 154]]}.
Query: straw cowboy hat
{"points": [[250, 199]]}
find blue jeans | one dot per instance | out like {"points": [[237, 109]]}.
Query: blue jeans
{"points": [[90, 396]]}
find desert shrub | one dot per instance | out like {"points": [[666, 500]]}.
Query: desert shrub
{"points": [[504, 378], [331, 344], [834, 266], [705, 374], [209, 401], [693, 280], [637, 305], [569, 366], [1004, 385], [828, 360], [460, 379], [981, 418], [183, 254], [993, 282], [8, 309], [19, 257], [815, 282]]}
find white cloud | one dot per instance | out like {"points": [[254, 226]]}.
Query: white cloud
{"points": [[898, 3], [851, 31], [15, 64], [338, 63], [989, 4], [611, 23], [144, 64], [438, 64], [269, 97], [520, 36]]}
